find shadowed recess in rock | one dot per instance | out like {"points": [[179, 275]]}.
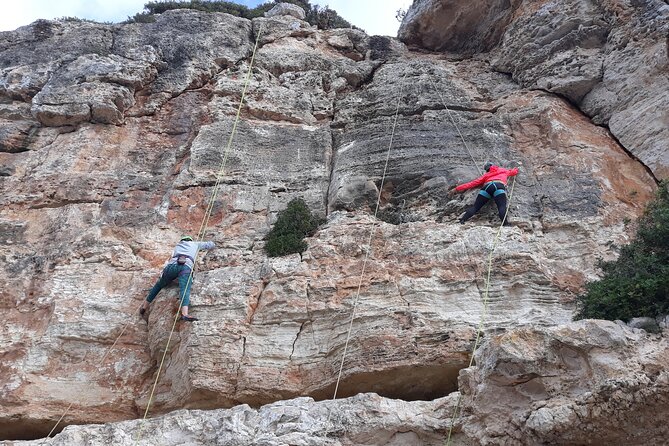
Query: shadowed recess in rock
{"points": [[23, 429], [424, 383]]}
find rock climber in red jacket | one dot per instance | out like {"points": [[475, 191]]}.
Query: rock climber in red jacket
{"points": [[494, 186]]}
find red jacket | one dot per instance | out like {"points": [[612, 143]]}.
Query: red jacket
{"points": [[495, 173]]}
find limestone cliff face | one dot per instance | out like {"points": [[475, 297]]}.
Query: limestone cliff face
{"points": [[591, 382], [609, 58], [112, 139]]}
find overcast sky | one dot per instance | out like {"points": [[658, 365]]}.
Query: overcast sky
{"points": [[374, 16]]}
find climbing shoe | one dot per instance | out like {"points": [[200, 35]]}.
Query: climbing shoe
{"points": [[144, 314], [188, 318]]}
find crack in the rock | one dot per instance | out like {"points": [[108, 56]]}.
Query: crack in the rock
{"points": [[527, 378], [309, 315], [239, 365], [608, 129], [629, 153], [408, 313], [63, 203], [370, 77], [438, 107], [254, 308], [333, 153], [295, 340]]}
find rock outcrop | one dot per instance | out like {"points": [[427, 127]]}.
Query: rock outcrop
{"points": [[591, 382], [609, 58], [363, 419], [113, 144]]}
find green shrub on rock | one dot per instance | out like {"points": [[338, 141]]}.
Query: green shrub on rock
{"points": [[292, 225], [323, 17], [637, 284]]}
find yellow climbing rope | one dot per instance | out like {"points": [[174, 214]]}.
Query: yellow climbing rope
{"points": [[484, 314], [367, 251], [496, 240], [205, 220], [201, 233], [450, 115]]}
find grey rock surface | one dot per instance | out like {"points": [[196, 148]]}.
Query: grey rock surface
{"points": [[283, 9], [81, 72], [274, 28], [663, 321], [363, 419], [584, 382], [648, 324], [456, 25], [609, 58], [90, 208]]}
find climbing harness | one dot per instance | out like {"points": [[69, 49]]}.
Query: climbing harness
{"points": [[183, 258], [492, 189]]}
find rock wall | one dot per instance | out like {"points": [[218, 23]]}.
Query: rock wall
{"points": [[591, 382], [114, 138], [609, 58]]}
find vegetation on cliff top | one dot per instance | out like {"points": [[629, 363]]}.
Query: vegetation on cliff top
{"points": [[637, 284], [323, 17]]}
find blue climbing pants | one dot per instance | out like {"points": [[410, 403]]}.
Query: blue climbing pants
{"points": [[171, 272]]}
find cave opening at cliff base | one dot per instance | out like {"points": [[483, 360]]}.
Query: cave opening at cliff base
{"points": [[408, 383], [27, 429]]}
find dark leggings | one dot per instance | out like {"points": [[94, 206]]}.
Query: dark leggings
{"points": [[497, 191], [171, 272]]}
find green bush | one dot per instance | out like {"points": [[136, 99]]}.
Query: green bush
{"points": [[200, 5], [637, 284], [141, 17], [292, 225], [323, 17]]}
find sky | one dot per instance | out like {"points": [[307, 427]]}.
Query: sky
{"points": [[374, 16]]}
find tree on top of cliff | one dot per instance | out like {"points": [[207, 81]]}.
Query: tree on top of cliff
{"points": [[323, 17], [637, 284]]}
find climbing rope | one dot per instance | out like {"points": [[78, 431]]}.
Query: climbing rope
{"points": [[367, 251], [484, 314], [205, 220], [450, 115], [481, 325]]}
